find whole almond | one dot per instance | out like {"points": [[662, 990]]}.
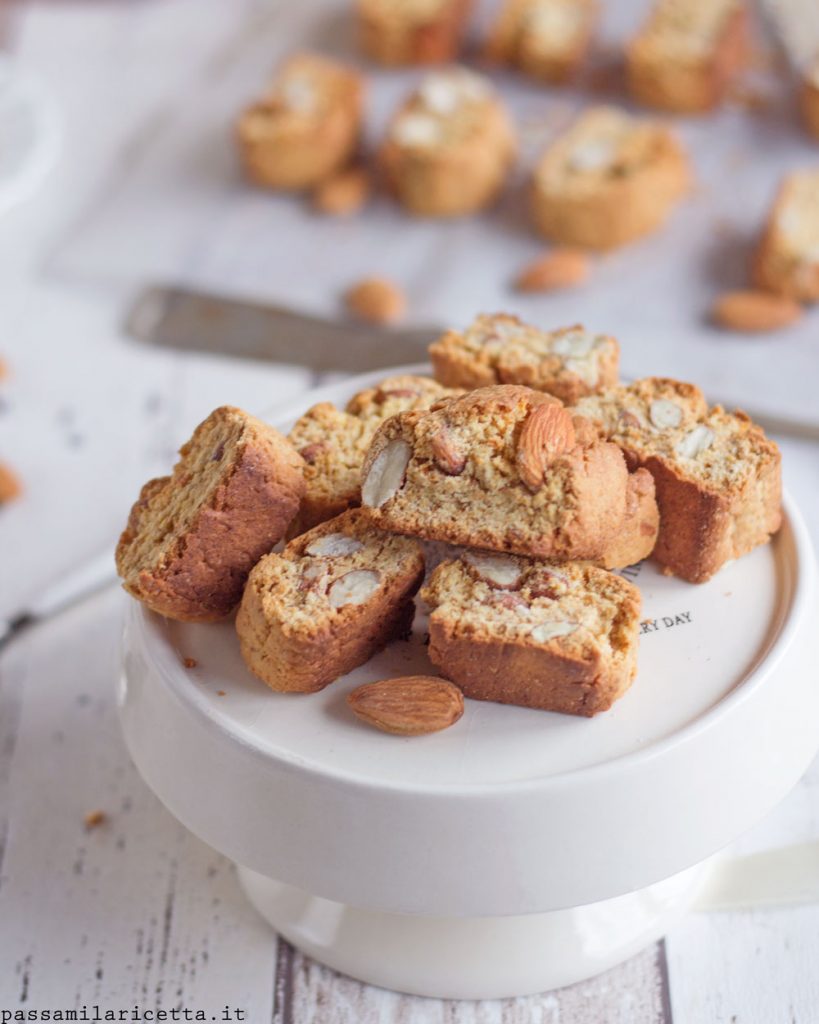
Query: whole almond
{"points": [[446, 454], [376, 300], [10, 486], [755, 311], [560, 268], [547, 432], [343, 193], [409, 706]]}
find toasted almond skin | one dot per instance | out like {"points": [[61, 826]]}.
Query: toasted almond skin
{"points": [[408, 706], [446, 455], [547, 432], [755, 311], [10, 486], [376, 300], [343, 193], [560, 268]]}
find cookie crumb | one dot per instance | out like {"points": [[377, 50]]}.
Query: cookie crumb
{"points": [[94, 819], [221, 693], [10, 486], [376, 300], [190, 662]]}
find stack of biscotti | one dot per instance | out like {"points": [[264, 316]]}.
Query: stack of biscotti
{"points": [[717, 476], [333, 443], [507, 468]]}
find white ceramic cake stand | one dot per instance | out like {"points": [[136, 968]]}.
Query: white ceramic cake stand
{"points": [[519, 850]]}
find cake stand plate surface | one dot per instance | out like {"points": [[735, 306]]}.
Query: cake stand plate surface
{"points": [[341, 829]]}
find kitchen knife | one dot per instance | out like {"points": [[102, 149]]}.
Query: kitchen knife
{"points": [[180, 318]]}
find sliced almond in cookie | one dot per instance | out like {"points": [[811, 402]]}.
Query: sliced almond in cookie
{"points": [[354, 587], [665, 414], [755, 311], [332, 545], [547, 433], [546, 631], [411, 706], [499, 570], [386, 475], [695, 441]]}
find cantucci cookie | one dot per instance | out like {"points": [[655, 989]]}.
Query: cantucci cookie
{"points": [[193, 537], [504, 468], [449, 147], [395, 32], [501, 349], [609, 179], [809, 99], [787, 257], [546, 39], [332, 599], [687, 53], [717, 477], [558, 637], [306, 127], [333, 443]]}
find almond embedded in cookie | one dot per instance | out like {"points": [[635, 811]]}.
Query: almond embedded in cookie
{"points": [[568, 641], [334, 597]]}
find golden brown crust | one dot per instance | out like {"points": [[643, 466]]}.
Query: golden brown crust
{"points": [[468, 479], [293, 638], [500, 349], [290, 141], [195, 572], [486, 640], [687, 83], [393, 38], [616, 200], [638, 536]]}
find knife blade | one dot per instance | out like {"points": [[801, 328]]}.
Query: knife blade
{"points": [[181, 318]]}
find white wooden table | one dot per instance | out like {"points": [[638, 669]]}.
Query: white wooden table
{"points": [[137, 911]]}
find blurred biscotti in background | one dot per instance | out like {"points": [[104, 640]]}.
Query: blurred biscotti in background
{"points": [[787, 257], [306, 127], [449, 147], [609, 179], [545, 39], [687, 54], [396, 32]]}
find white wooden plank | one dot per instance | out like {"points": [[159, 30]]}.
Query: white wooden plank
{"points": [[136, 910], [633, 993]]}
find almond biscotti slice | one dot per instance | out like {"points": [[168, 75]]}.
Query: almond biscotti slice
{"points": [[504, 468], [717, 476], [333, 443], [449, 147], [609, 179], [687, 53], [332, 599], [396, 32], [787, 257], [546, 39], [306, 127], [501, 349], [558, 637], [193, 537]]}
